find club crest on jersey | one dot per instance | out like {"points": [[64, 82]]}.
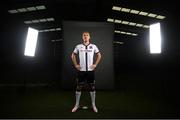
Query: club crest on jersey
{"points": [[90, 47]]}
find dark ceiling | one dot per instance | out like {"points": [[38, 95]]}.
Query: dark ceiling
{"points": [[89, 10], [14, 29]]}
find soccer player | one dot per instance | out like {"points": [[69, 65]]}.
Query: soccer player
{"points": [[85, 67]]}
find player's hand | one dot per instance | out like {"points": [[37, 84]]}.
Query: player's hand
{"points": [[78, 67], [93, 66]]}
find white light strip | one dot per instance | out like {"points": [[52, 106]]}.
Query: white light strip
{"points": [[110, 20], [31, 41], [42, 20], [137, 12], [117, 21], [117, 42], [125, 10], [116, 8], [46, 30], [145, 26], [134, 34], [58, 29], [139, 25], [35, 21], [155, 38], [151, 15], [50, 19], [127, 33], [122, 32], [143, 13], [132, 23], [22, 10], [28, 9], [117, 31], [57, 40], [31, 9], [160, 17], [127, 23], [28, 22], [134, 11], [39, 20], [50, 30], [12, 11], [41, 7]]}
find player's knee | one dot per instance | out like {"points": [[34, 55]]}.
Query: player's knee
{"points": [[78, 87], [92, 87]]}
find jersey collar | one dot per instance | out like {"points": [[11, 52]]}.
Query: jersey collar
{"points": [[86, 45]]}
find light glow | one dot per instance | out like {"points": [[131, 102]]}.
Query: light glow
{"points": [[31, 41], [155, 38]]}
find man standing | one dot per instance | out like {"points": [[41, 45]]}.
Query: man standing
{"points": [[86, 67]]}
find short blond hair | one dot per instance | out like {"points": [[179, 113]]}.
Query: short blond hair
{"points": [[86, 32]]}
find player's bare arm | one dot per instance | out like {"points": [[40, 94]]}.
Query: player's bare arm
{"points": [[73, 57], [97, 61]]}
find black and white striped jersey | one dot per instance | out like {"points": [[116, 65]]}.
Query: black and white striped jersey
{"points": [[86, 55]]}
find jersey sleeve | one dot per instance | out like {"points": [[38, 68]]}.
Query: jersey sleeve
{"points": [[96, 50], [75, 50]]}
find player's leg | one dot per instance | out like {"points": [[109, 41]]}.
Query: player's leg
{"points": [[78, 95], [79, 85], [93, 97], [91, 83]]}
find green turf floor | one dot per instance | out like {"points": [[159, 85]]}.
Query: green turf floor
{"points": [[58, 104]]}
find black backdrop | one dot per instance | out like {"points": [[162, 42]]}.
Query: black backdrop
{"points": [[101, 35]]}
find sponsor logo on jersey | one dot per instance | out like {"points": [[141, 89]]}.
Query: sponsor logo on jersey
{"points": [[88, 50], [85, 50]]}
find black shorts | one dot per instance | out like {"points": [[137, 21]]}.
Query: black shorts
{"points": [[85, 77]]}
